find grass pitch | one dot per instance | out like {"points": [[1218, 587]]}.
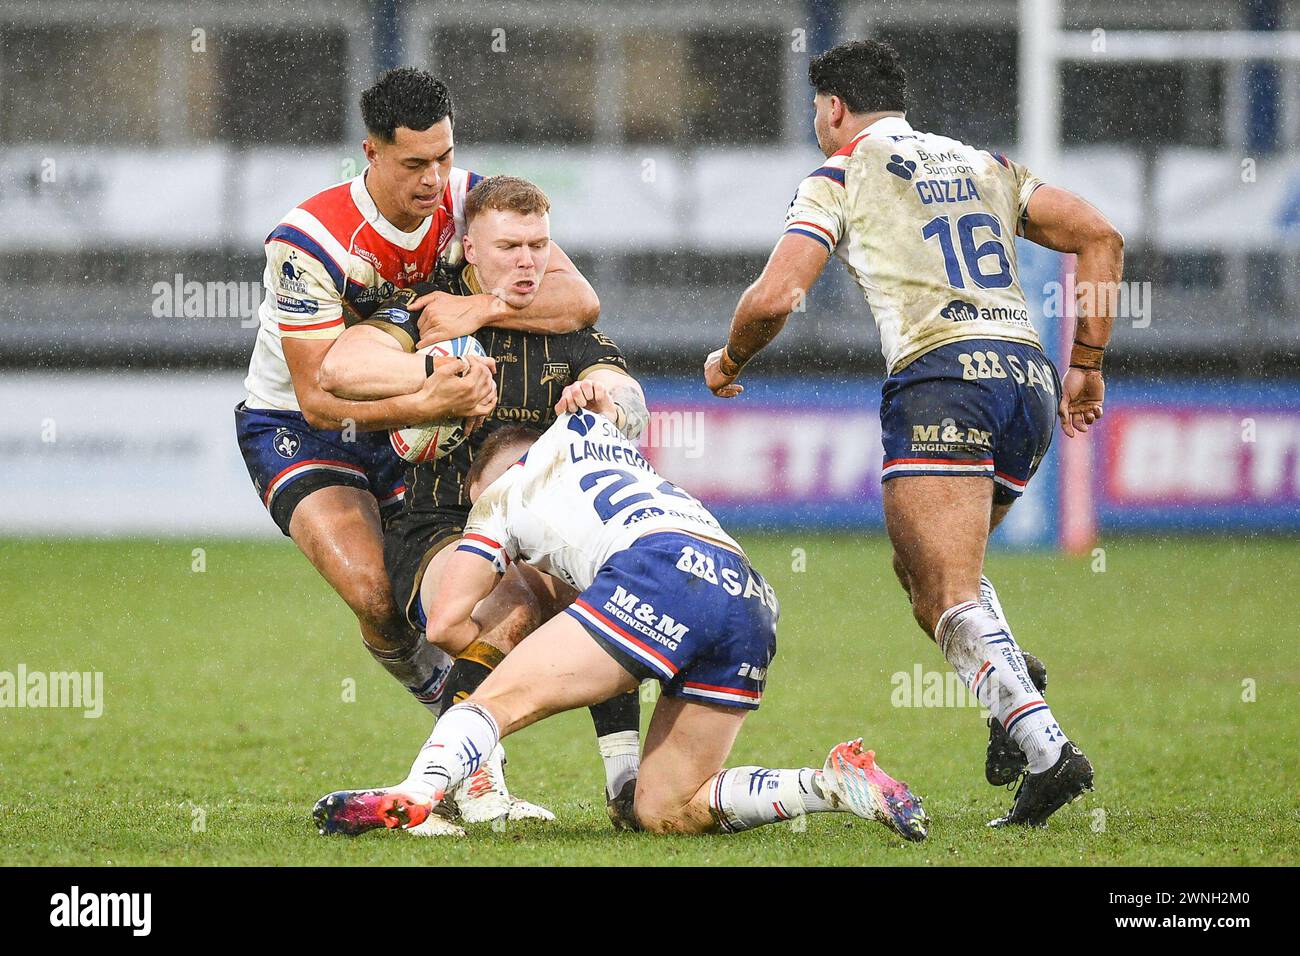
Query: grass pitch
{"points": [[228, 711]]}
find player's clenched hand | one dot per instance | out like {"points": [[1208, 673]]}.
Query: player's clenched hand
{"points": [[589, 395], [457, 365], [445, 316], [721, 383], [484, 408], [1082, 395], [458, 388]]}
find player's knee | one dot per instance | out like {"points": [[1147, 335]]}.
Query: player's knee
{"points": [[665, 820], [371, 599], [656, 814]]}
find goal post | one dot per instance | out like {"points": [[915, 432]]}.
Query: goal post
{"points": [[1064, 515]]}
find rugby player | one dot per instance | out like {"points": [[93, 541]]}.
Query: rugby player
{"points": [[507, 249], [322, 465], [666, 594], [926, 225]]}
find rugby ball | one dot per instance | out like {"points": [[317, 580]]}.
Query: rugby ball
{"points": [[431, 441]]}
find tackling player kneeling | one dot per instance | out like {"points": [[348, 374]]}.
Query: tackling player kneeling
{"points": [[666, 594]]}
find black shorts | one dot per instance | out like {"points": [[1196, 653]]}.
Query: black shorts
{"points": [[411, 539]]}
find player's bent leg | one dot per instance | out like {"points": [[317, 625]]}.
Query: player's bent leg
{"points": [[560, 667], [683, 788], [686, 746], [524, 599], [338, 529], [505, 617], [939, 529], [617, 721], [940, 534]]}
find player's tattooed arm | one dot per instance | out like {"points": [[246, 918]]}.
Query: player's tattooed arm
{"points": [[612, 393], [629, 401], [794, 266]]}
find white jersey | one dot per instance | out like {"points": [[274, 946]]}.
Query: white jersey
{"points": [[334, 253], [582, 493], [926, 225]]}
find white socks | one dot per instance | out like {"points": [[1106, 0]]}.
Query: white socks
{"points": [[461, 741], [422, 669], [976, 641], [989, 598], [746, 797], [621, 754]]}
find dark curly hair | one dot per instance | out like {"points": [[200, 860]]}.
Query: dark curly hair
{"points": [[865, 74], [404, 97]]}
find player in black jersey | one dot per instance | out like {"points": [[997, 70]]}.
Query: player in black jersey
{"points": [[507, 244]]}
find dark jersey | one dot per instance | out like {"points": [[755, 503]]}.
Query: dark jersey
{"points": [[532, 371]]}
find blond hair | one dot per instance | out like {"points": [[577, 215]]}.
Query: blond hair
{"points": [[506, 194]]}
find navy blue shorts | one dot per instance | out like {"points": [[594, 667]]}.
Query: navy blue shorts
{"points": [[978, 407], [288, 460], [690, 614]]}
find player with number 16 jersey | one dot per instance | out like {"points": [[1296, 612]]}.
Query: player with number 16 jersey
{"points": [[926, 225]]}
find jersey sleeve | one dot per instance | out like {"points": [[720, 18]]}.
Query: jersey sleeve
{"points": [[395, 317], [487, 533], [820, 206], [459, 183], [307, 302], [591, 349], [1023, 185]]}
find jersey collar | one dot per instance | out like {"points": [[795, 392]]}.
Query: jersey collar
{"points": [[885, 126], [404, 240]]}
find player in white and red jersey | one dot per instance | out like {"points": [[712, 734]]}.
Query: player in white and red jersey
{"points": [[926, 226], [321, 464], [665, 594]]}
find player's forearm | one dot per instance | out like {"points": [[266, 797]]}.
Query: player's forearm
{"points": [[760, 316], [466, 580], [323, 410], [566, 302], [1099, 267], [365, 371]]}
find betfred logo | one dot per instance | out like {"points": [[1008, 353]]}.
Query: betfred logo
{"points": [[1158, 456], [764, 455]]}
